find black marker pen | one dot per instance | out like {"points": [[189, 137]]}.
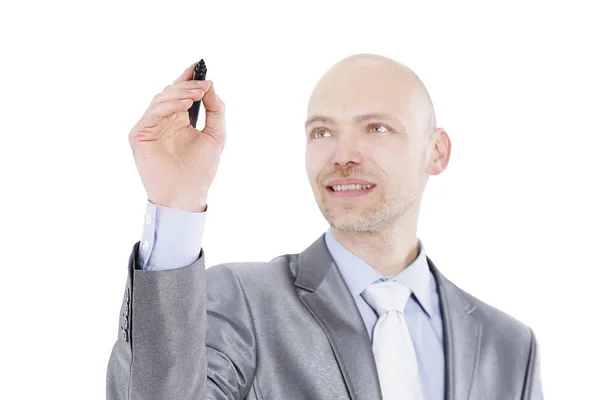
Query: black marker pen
{"points": [[199, 74]]}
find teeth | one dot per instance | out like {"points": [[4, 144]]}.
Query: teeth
{"points": [[338, 188]]}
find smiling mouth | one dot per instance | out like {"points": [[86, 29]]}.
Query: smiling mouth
{"points": [[351, 190], [350, 187]]}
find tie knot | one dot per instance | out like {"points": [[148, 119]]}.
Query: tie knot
{"points": [[387, 296]]}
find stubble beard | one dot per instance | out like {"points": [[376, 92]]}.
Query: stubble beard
{"points": [[384, 213]]}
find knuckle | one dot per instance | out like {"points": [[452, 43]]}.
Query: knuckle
{"points": [[186, 84], [137, 134], [196, 84]]}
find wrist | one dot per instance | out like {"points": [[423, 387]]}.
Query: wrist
{"points": [[197, 206]]}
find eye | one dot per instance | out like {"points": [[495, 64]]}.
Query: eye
{"points": [[319, 132], [378, 128]]}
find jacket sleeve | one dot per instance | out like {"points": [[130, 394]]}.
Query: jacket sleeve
{"points": [[533, 383], [178, 340]]}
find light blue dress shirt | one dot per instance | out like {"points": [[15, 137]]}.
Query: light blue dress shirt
{"points": [[173, 239], [422, 312]]}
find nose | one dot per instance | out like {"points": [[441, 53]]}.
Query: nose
{"points": [[347, 151]]}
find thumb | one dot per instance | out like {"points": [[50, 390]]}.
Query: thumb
{"points": [[215, 111]]}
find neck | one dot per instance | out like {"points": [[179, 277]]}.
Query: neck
{"points": [[388, 250]]}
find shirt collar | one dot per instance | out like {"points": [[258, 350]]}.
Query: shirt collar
{"points": [[358, 275]]}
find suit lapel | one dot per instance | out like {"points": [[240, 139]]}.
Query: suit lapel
{"points": [[462, 337], [323, 291]]}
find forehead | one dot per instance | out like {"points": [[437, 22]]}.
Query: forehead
{"points": [[369, 88]]}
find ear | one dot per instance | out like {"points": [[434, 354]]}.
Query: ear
{"points": [[440, 151]]}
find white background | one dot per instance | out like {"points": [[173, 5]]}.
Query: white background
{"points": [[513, 220]]}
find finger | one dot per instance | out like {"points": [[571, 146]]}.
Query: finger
{"points": [[195, 95], [204, 85], [187, 74], [215, 111], [159, 111]]}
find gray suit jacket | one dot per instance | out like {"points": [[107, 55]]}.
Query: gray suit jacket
{"points": [[290, 329]]}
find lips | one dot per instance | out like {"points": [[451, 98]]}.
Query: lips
{"points": [[352, 186], [349, 181], [351, 190]]}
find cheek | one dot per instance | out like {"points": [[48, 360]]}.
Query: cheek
{"points": [[391, 159], [316, 160], [399, 155], [397, 166]]}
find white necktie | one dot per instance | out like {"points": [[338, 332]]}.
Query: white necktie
{"points": [[392, 346]]}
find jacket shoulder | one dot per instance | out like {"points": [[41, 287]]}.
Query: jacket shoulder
{"points": [[500, 323]]}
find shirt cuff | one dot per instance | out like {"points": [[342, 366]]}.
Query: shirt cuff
{"points": [[171, 238]]}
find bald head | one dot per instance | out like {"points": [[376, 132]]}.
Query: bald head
{"points": [[369, 83], [372, 142]]}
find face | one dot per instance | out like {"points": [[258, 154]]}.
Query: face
{"points": [[366, 147]]}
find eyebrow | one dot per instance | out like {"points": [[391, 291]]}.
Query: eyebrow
{"points": [[358, 118]]}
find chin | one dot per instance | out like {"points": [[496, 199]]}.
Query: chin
{"points": [[352, 223], [355, 227]]}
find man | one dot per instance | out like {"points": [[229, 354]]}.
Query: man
{"points": [[361, 314]]}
